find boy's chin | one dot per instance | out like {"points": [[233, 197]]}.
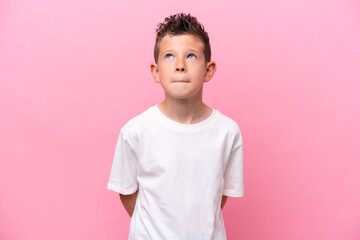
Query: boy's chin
{"points": [[185, 96]]}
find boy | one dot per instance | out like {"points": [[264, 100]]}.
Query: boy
{"points": [[176, 163]]}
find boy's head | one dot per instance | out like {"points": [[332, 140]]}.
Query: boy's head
{"points": [[182, 57], [179, 24]]}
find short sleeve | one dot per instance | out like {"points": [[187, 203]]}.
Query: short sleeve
{"points": [[123, 175], [233, 175]]}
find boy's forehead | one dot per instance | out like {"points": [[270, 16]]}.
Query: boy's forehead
{"points": [[181, 42]]}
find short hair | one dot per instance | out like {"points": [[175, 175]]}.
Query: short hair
{"points": [[179, 24]]}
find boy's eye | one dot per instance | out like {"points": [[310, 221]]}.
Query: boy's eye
{"points": [[170, 55], [166, 56]]}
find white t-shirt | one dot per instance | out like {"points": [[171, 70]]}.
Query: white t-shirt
{"points": [[181, 171]]}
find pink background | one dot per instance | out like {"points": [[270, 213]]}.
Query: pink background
{"points": [[72, 73]]}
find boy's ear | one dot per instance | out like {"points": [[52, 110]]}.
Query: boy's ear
{"points": [[155, 72], [210, 70]]}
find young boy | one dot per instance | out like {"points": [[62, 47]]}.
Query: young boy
{"points": [[176, 163]]}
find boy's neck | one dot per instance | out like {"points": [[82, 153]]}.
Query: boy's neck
{"points": [[185, 112]]}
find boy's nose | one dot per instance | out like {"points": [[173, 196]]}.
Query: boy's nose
{"points": [[181, 69], [180, 66]]}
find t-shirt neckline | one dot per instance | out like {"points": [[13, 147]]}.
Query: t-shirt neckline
{"points": [[183, 126]]}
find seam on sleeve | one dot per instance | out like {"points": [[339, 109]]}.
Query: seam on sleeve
{"points": [[130, 145], [236, 148], [124, 191]]}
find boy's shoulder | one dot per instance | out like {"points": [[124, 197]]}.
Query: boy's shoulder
{"points": [[229, 123], [232, 127], [136, 122]]}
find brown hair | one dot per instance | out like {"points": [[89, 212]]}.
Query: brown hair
{"points": [[178, 24]]}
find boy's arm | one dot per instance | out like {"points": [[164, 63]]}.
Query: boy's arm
{"points": [[223, 201], [128, 202]]}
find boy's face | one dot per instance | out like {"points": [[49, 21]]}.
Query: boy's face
{"points": [[181, 68]]}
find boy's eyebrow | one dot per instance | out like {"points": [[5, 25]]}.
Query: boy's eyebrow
{"points": [[168, 50]]}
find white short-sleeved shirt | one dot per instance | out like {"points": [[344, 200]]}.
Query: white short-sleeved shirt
{"points": [[181, 171]]}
